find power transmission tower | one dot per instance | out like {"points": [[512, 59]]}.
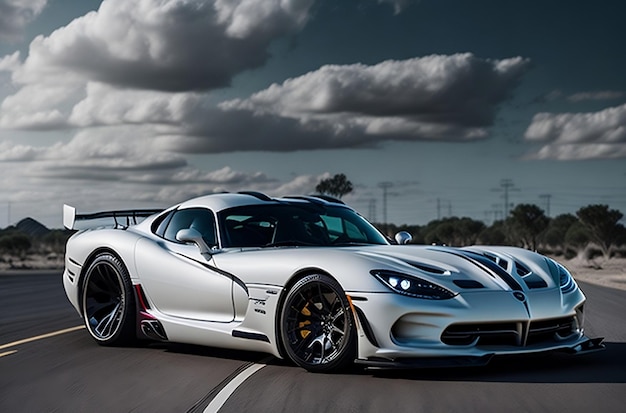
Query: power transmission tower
{"points": [[439, 206], [546, 197], [372, 210], [385, 186], [438, 209], [506, 186]]}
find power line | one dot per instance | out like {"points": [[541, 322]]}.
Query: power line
{"points": [[506, 186], [546, 197]]}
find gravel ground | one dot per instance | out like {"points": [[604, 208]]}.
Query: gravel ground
{"points": [[611, 273]]}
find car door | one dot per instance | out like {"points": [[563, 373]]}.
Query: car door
{"points": [[177, 278]]}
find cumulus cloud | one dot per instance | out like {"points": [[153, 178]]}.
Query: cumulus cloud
{"points": [[126, 170], [93, 71], [10, 63], [435, 97], [168, 45], [15, 15], [42, 106], [105, 105], [10, 152], [461, 89], [580, 135], [452, 98]]}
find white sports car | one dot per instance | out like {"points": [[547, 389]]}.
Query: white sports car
{"points": [[309, 279]]}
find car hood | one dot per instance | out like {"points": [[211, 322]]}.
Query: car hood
{"points": [[464, 270], [470, 268]]}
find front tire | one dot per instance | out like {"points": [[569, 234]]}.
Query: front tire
{"points": [[108, 302], [317, 326]]}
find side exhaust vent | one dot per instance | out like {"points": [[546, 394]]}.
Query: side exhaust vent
{"points": [[153, 330]]}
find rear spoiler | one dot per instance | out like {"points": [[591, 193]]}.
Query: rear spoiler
{"points": [[129, 216]]}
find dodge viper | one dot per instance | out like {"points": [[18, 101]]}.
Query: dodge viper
{"points": [[308, 279]]}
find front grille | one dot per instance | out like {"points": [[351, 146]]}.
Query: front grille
{"points": [[520, 334], [551, 330]]}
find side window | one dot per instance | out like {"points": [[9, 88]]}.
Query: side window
{"points": [[249, 230], [160, 224], [200, 219]]}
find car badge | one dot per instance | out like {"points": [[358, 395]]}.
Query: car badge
{"points": [[520, 296]]}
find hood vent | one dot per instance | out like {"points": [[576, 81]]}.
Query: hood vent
{"points": [[429, 269], [532, 281], [522, 270], [468, 284]]}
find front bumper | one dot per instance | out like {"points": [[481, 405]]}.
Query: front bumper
{"points": [[586, 346], [398, 331]]}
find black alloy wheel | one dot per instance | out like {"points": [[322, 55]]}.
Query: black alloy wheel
{"points": [[317, 325], [108, 302]]}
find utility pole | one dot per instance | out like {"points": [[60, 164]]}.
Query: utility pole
{"points": [[385, 186], [438, 209], [506, 186], [546, 197]]}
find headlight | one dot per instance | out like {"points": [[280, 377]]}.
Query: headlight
{"points": [[412, 286]]}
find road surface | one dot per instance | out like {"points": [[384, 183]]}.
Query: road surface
{"points": [[67, 372]]}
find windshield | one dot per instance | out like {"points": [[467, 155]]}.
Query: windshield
{"points": [[295, 224]]}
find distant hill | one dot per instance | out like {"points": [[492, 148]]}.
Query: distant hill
{"points": [[32, 228]]}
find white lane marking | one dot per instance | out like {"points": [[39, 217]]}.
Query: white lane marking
{"points": [[47, 335], [8, 353], [221, 397]]}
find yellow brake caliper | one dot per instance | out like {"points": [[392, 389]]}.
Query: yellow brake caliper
{"points": [[305, 312]]}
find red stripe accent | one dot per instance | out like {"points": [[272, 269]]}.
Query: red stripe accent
{"points": [[140, 296]]}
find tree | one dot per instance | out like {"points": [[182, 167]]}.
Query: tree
{"points": [[453, 231], [602, 225], [336, 186], [15, 243], [527, 222], [576, 241], [493, 235], [554, 237]]}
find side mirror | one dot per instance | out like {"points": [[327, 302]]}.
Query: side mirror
{"points": [[193, 236], [403, 238]]}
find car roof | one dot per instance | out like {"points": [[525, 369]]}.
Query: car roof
{"points": [[221, 201]]}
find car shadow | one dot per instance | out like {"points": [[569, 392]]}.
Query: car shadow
{"points": [[608, 366], [214, 352]]}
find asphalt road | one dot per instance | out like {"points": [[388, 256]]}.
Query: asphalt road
{"points": [[68, 372]]}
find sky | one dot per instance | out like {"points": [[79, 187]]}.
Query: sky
{"points": [[431, 108]]}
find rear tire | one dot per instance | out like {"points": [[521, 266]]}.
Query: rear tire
{"points": [[108, 302], [317, 325]]}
